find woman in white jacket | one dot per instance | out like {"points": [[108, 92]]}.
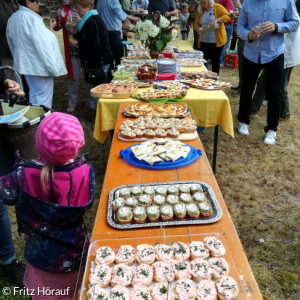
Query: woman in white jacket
{"points": [[35, 50]]}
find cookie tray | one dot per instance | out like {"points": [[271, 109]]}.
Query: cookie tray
{"points": [[114, 193], [115, 244]]}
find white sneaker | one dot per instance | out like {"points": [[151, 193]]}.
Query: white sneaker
{"points": [[270, 138], [265, 102], [243, 129], [71, 109]]}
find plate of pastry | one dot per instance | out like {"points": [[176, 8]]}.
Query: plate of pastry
{"points": [[160, 154]]}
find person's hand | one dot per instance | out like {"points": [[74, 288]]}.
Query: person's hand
{"points": [[198, 30], [126, 25], [13, 87], [213, 23], [52, 24], [73, 43], [253, 34], [167, 14], [267, 27], [72, 29]]}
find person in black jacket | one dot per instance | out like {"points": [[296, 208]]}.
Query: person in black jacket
{"points": [[93, 42]]}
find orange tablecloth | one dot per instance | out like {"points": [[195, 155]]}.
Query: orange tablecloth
{"points": [[119, 172]]}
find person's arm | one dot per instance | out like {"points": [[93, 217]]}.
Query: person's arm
{"points": [[9, 188], [242, 25], [134, 5], [197, 23], [117, 10], [227, 4], [11, 86]]}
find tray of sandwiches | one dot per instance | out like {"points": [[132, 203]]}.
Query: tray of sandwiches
{"points": [[192, 62], [145, 128], [162, 204], [195, 266], [138, 83], [197, 75], [160, 154], [176, 110], [208, 84], [114, 91]]}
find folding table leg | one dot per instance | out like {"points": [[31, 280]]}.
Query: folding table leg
{"points": [[215, 150]]}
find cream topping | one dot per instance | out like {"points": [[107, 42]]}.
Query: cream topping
{"points": [[206, 290], [180, 209], [159, 200], [196, 188], [199, 197], [142, 275], [184, 189], [219, 266], [164, 252], [198, 250], [162, 291], [121, 275], [153, 211], [136, 190], [173, 190], [101, 275], [149, 190], [172, 199], [140, 293], [145, 253], [185, 289], [124, 213], [125, 254], [181, 268], [185, 198], [166, 211], [145, 200], [215, 246], [192, 209], [205, 207], [161, 190], [163, 271], [201, 269], [105, 255], [181, 251], [227, 287], [139, 212], [119, 202], [131, 202], [119, 293]]}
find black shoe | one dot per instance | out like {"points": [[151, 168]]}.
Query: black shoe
{"points": [[235, 87], [14, 272]]}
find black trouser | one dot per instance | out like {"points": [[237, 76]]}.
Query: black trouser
{"points": [[210, 50], [116, 46], [274, 83], [195, 42], [240, 49]]}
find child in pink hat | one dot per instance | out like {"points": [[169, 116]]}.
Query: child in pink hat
{"points": [[51, 199]]}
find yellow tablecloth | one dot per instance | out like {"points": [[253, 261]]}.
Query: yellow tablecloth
{"points": [[208, 108]]}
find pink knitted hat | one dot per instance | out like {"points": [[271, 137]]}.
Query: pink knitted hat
{"points": [[58, 138]]}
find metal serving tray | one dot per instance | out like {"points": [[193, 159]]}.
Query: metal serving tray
{"points": [[114, 193]]}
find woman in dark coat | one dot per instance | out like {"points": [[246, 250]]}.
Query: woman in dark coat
{"points": [[93, 42]]}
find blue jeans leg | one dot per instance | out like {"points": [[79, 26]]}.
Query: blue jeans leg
{"points": [[7, 250], [229, 31]]}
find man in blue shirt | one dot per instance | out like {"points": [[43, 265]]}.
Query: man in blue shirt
{"points": [[139, 5], [112, 14], [262, 24], [166, 8]]}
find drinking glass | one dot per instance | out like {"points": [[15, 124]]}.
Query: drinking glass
{"points": [[259, 31]]}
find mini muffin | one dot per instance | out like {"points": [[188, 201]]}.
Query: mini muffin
{"points": [[121, 275], [227, 288], [173, 190], [127, 134], [100, 276], [181, 251], [139, 214], [180, 211], [162, 291], [140, 293], [214, 246], [159, 200], [105, 255], [185, 289], [119, 292], [97, 292], [219, 267], [192, 210], [206, 209], [166, 212], [198, 250], [189, 129], [200, 269], [142, 275], [149, 133], [149, 190], [173, 133], [196, 188], [139, 133], [161, 190], [206, 290], [131, 202], [118, 203], [144, 200], [185, 198], [163, 252], [163, 272], [136, 191], [184, 188], [124, 193], [124, 215], [181, 269], [128, 123], [199, 197], [125, 255], [172, 200], [145, 254], [124, 127], [160, 133], [153, 213]]}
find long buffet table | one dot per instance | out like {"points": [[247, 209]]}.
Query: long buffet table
{"points": [[121, 173]]}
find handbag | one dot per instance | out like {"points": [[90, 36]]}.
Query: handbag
{"points": [[95, 75]]}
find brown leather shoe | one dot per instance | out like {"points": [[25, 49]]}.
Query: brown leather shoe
{"points": [[285, 118]]}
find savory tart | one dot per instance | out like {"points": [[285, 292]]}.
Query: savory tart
{"points": [[214, 246], [142, 275], [227, 288], [185, 198], [198, 250], [124, 215], [153, 213], [124, 193], [196, 188], [206, 209], [118, 203], [181, 251], [145, 200], [161, 190], [105, 255], [200, 269], [149, 190], [192, 210], [121, 275], [180, 210], [139, 214], [163, 252], [125, 255], [159, 200], [185, 289], [166, 212], [172, 200], [163, 272], [184, 188], [136, 191], [145, 254], [101, 275], [131, 202], [173, 190], [199, 197]]}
